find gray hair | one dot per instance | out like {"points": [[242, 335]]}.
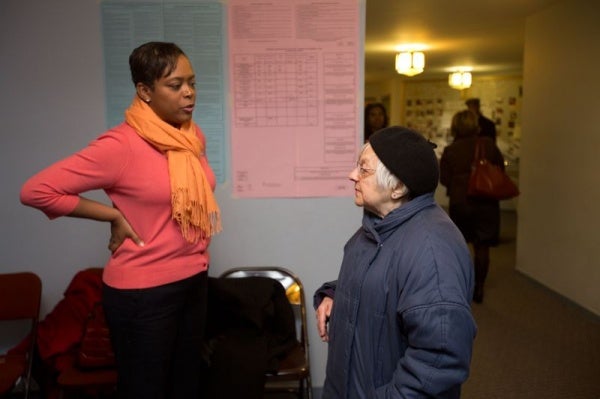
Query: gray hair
{"points": [[384, 177]]}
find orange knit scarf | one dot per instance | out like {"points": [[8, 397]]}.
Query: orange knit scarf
{"points": [[194, 205]]}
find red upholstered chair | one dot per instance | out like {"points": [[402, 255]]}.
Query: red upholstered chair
{"points": [[20, 297], [98, 376], [75, 382]]}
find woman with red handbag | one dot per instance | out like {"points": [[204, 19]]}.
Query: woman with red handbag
{"points": [[477, 218]]}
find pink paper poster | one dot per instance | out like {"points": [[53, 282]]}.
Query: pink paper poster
{"points": [[294, 73]]}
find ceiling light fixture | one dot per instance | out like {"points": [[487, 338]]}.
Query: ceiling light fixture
{"points": [[460, 80], [410, 63]]}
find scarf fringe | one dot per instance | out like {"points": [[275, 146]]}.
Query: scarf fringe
{"points": [[195, 221]]}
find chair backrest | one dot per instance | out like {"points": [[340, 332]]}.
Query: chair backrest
{"points": [[20, 299], [293, 288], [295, 367], [20, 296]]}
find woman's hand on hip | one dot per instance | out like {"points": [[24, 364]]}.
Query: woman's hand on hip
{"points": [[120, 230]]}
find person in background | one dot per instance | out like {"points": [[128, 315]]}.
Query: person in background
{"points": [[477, 218], [398, 319], [154, 169], [375, 118], [487, 126]]}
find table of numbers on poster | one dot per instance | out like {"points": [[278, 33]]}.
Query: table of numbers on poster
{"points": [[278, 89]]}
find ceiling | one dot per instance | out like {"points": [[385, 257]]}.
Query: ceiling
{"points": [[487, 35]]}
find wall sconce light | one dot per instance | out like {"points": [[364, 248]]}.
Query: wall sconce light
{"points": [[410, 63], [460, 80]]}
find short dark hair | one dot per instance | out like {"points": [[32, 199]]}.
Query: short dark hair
{"points": [[367, 129], [153, 60]]}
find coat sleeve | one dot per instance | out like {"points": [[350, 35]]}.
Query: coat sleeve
{"points": [[326, 290], [436, 326], [445, 169], [438, 356], [498, 159]]}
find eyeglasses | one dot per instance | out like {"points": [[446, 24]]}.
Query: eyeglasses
{"points": [[364, 172]]}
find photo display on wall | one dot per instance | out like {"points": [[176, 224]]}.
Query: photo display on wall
{"points": [[430, 106]]}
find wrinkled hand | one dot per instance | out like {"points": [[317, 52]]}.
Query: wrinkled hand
{"points": [[120, 230], [323, 312]]}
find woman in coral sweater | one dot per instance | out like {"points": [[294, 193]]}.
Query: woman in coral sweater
{"points": [[154, 169]]}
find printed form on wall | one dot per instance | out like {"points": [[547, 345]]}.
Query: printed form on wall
{"points": [[294, 79]]}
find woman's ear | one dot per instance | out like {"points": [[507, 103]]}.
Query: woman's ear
{"points": [[399, 192], [143, 92]]}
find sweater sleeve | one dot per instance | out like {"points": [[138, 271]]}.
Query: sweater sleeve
{"points": [[55, 190]]}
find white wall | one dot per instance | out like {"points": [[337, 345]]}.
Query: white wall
{"points": [[51, 78], [559, 212]]}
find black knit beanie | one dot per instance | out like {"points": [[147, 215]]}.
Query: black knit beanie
{"points": [[409, 156]]}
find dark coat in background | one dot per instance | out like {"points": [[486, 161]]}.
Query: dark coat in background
{"points": [[477, 218], [488, 127]]}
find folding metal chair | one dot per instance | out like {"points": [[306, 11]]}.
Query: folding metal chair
{"points": [[295, 367]]}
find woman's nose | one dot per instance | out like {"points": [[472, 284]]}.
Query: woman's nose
{"points": [[189, 91]]}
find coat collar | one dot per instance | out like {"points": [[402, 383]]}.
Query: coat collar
{"points": [[379, 229]]}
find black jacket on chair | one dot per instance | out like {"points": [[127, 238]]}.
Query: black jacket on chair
{"points": [[250, 327]]}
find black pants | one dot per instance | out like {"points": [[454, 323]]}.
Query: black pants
{"points": [[157, 334]]}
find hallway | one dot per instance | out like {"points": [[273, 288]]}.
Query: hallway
{"points": [[531, 342]]}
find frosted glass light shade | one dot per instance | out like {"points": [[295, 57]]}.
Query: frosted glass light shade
{"points": [[460, 80], [410, 63]]}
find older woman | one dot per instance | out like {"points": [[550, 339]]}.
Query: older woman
{"points": [[477, 218], [400, 321], [154, 169]]}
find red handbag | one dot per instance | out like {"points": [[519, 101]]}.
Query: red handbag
{"points": [[488, 180]]}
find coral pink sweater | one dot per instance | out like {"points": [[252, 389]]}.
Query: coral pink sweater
{"points": [[135, 177]]}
